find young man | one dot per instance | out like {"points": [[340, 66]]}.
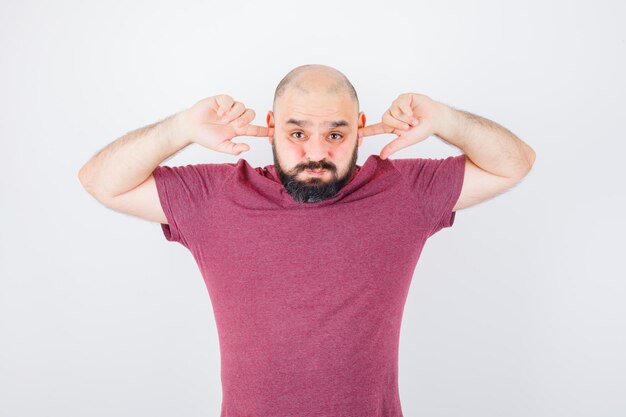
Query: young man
{"points": [[308, 261]]}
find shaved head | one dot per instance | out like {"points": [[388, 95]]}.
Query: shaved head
{"points": [[316, 118], [305, 79]]}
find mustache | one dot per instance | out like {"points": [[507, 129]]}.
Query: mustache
{"points": [[318, 165]]}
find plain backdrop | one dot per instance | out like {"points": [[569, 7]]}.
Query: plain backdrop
{"points": [[518, 310]]}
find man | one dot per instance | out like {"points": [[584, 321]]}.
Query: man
{"points": [[308, 261]]}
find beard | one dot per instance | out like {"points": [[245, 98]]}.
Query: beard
{"points": [[314, 189]]}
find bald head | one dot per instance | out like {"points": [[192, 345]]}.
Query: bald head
{"points": [[305, 79], [315, 120]]}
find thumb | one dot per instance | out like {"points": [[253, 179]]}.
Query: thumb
{"points": [[233, 148], [239, 148], [393, 147]]}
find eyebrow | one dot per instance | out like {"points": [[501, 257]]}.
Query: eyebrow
{"points": [[332, 124]]}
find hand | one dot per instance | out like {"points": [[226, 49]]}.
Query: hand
{"points": [[413, 117], [212, 122]]}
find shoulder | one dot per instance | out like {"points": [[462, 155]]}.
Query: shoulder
{"points": [[431, 173], [205, 175], [417, 164]]}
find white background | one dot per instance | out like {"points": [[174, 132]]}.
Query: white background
{"points": [[517, 310]]}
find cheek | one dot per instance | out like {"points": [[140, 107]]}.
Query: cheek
{"points": [[343, 155], [293, 155], [290, 156]]}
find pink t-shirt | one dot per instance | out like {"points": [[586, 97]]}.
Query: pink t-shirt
{"points": [[308, 297]]}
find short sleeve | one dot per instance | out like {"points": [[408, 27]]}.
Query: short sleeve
{"points": [[436, 184], [183, 192]]}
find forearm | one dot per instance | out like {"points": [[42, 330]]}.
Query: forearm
{"points": [[489, 145], [128, 161]]}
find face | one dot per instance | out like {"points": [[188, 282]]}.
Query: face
{"points": [[315, 143]]}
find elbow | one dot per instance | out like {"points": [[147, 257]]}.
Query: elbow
{"points": [[529, 156], [531, 159], [525, 163], [82, 177]]}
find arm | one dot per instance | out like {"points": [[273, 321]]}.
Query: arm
{"points": [[130, 160], [496, 158], [120, 175]]}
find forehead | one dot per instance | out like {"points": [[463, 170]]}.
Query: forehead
{"points": [[328, 110], [331, 124]]}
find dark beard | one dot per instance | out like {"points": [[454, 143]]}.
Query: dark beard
{"points": [[314, 190]]}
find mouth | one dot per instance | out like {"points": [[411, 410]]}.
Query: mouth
{"points": [[316, 172]]}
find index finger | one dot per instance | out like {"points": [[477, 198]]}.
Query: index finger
{"points": [[254, 130], [375, 129]]}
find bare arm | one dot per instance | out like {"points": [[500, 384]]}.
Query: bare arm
{"points": [[130, 160], [490, 146], [120, 175], [495, 159]]}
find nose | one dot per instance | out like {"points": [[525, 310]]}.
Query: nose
{"points": [[316, 148]]}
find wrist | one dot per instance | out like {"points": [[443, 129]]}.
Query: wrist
{"points": [[180, 133], [447, 122]]}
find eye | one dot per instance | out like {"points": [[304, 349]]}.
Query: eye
{"points": [[336, 139]]}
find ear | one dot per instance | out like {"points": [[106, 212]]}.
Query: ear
{"points": [[361, 121], [270, 123]]}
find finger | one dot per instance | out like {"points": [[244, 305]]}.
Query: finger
{"points": [[234, 112], [406, 109], [393, 147], [414, 121], [391, 120], [397, 112], [375, 129], [254, 130], [233, 148], [246, 117], [224, 102]]}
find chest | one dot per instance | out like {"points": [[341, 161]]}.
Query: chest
{"points": [[354, 244]]}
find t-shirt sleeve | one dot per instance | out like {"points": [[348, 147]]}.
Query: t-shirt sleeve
{"points": [[183, 192], [436, 184]]}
